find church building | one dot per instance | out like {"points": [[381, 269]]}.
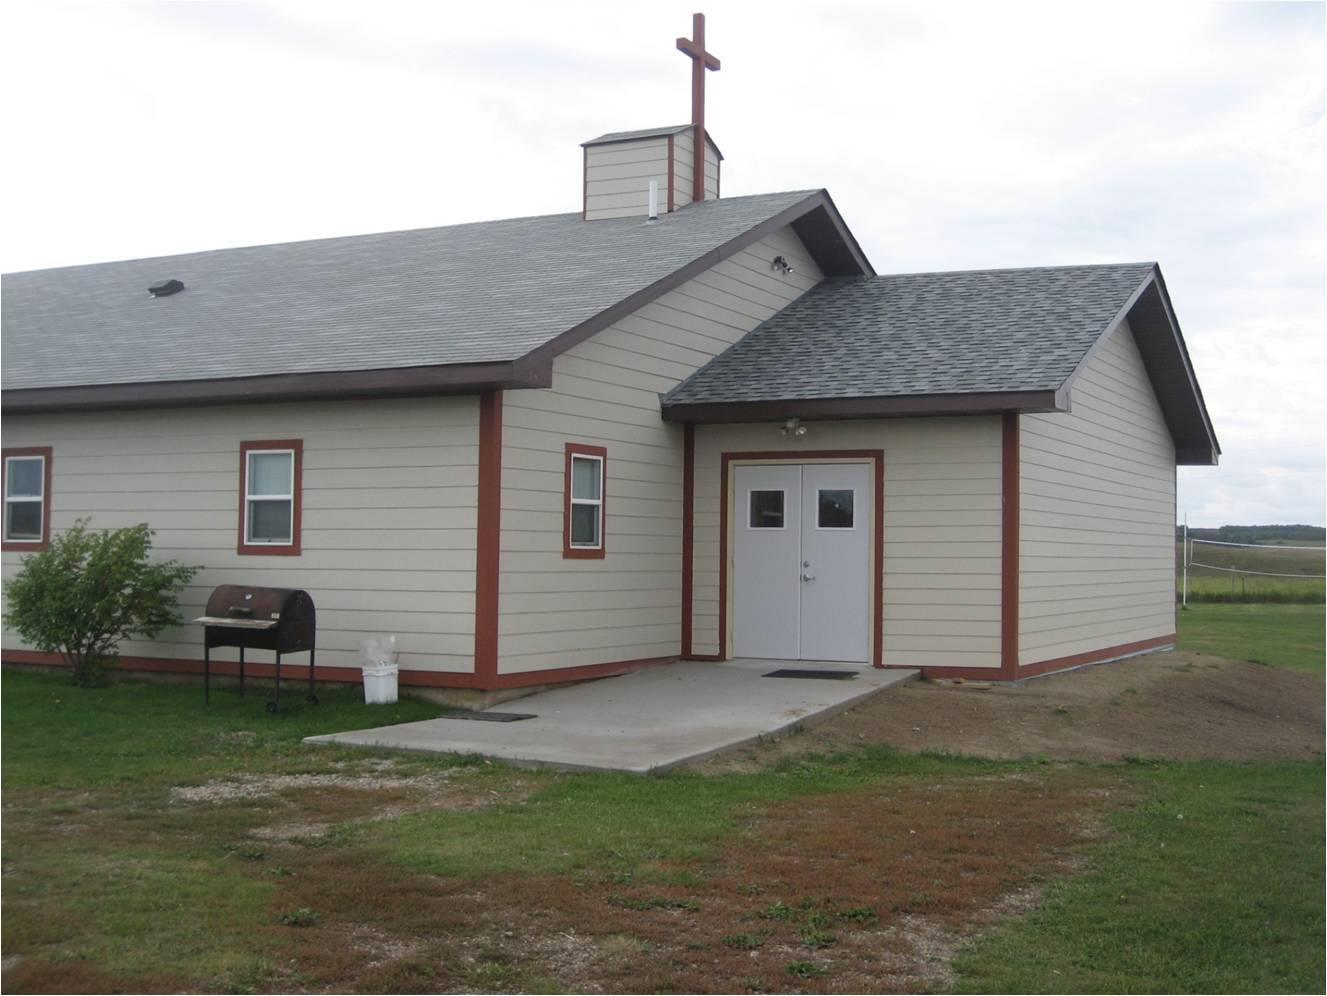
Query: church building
{"points": [[666, 424]]}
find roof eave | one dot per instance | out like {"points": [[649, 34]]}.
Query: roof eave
{"points": [[1149, 308], [897, 406], [350, 384]]}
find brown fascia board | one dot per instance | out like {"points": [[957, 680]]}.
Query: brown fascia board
{"points": [[394, 382], [1153, 287], [829, 241], [850, 408], [1187, 362]]}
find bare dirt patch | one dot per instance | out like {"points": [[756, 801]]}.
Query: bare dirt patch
{"points": [[874, 888], [306, 806], [1179, 706]]}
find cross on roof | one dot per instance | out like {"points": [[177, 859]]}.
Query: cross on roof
{"points": [[701, 60]]}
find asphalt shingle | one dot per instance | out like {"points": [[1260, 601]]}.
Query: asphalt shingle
{"points": [[486, 292], [973, 331]]}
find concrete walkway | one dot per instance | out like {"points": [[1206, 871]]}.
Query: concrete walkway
{"points": [[650, 720]]}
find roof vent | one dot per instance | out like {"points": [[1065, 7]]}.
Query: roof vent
{"points": [[166, 289]]}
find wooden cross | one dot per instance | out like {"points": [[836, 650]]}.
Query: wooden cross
{"points": [[694, 49]]}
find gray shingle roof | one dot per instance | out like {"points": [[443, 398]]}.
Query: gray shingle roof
{"points": [[977, 331], [486, 292], [627, 136]]}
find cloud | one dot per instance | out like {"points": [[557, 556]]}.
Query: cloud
{"points": [[951, 136]]}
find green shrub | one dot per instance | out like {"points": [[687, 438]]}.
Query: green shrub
{"points": [[90, 590]]}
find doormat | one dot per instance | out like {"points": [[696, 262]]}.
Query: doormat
{"points": [[798, 672], [489, 717]]}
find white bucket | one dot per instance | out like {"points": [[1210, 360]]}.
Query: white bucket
{"points": [[380, 684]]}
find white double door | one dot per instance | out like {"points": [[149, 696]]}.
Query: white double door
{"points": [[802, 561]]}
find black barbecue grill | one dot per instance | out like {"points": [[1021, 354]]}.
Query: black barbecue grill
{"points": [[278, 619]]}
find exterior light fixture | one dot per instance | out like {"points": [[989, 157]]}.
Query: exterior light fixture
{"points": [[793, 427], [781, 265]]}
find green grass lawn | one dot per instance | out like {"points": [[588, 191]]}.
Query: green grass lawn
{"points": [[1279, 635], [1213, 885], [1200, 877]]}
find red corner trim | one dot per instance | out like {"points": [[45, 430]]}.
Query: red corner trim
{"points": [[32, 546], [688, 531], [877, 457], [291, 549], [488, 537], [671, 180], [570, 552], [1009, 567]]}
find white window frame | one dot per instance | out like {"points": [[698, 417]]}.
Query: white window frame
{"points": [[40, 499], [598, 503], [249, 497]]}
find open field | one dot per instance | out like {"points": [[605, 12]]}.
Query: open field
{"points": [[155, 845], [1214, 573]]}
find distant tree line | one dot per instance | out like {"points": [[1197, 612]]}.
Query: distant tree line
{"points": [[1257, 534]]}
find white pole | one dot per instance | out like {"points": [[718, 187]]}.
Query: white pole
{"points": [[1185, 602]]}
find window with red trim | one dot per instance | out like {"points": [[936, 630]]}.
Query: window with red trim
{"points": [[25, 489], [271, 472], [584, 501]]}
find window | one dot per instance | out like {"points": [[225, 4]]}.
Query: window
{"points": [[583, 519], [834, 508], [27, 498], [766, 510], [270, 484]]}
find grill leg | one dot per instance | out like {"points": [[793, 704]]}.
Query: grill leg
{"points": [[207, 673], [312, 696], [241, 672], [276, 690]]}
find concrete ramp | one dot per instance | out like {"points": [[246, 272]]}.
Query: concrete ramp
{"points": [[650, 720]]}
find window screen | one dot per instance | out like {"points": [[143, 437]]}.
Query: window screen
{"points": [[270, 497], [25, 480], [587, 489]]}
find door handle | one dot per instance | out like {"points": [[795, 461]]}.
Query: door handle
{"points": [[808, 577]]}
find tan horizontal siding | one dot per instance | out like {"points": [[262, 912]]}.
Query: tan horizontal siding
{"points": [[942, 531], [388, 538], [683, 168], [640, 150], [617, 178], [1097, 507], [559, 613]]}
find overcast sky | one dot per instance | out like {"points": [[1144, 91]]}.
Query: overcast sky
{"points": [[951, 136]]}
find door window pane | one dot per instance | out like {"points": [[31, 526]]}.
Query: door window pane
{"points": [[834, 509], [766, 510], [25, 475], [585, 478], [585, 525], [271, 473], [269, 521], [23, 520]]}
